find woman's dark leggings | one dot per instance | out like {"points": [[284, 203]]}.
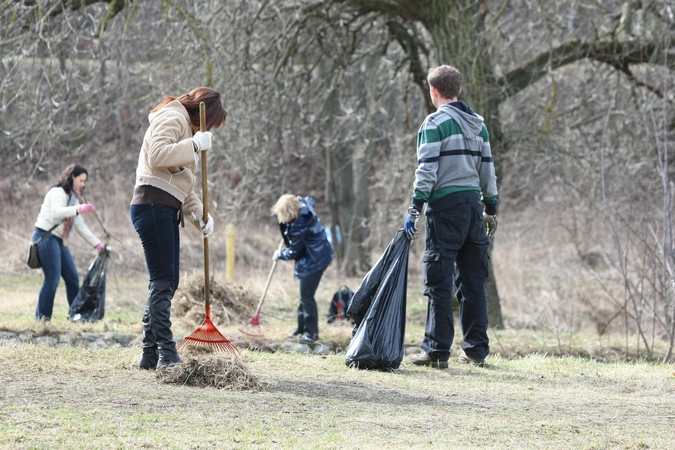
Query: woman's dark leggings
{"points": [[308, 316]]}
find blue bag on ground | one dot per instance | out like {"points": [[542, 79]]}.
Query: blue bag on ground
{"points": [[89, 303], [378, 310]]}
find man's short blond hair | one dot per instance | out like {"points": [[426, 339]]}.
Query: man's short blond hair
{"points": [[286, 208], [446, 79]]}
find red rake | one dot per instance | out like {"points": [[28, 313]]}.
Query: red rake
{"points": [[207, 333], [255, 320]]}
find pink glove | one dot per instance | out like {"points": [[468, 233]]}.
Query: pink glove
{"points": [[100, 246], [85, 208]]}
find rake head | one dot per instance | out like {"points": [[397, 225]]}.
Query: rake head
{"points": [[255, 321], [208, 334]]}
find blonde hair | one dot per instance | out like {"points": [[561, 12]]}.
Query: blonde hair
{"points": [[286, 208]]}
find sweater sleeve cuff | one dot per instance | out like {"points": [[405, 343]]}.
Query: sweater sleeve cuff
{"points": [[491, 209], [417, 204]]}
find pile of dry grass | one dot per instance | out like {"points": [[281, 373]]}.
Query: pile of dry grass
{"points": [[228, 303], [202, 367]]}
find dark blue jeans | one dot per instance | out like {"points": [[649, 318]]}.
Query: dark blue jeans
{"points": [[308, 315], [456, 236], [57, 262], [157, 226]]}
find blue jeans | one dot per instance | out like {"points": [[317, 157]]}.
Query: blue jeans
{"points": [[56, 262], [157, 226], [455, 236]]}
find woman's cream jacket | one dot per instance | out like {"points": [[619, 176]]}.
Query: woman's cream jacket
{"points": [[167, 159], [55, 208]]}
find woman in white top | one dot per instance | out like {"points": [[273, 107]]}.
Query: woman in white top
{"points": [[61, 207]]}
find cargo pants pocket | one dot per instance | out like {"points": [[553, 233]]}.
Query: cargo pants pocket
{"points": [[433, 272]]}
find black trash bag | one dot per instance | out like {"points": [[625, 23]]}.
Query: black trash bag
{"points": [[378, 310], [89, 304]]}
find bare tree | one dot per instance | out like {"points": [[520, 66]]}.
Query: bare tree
{"points": [[466, 33], [321, 101]]}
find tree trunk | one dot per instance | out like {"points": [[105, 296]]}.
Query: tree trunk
{"points": [[359, 245], [336, 174], [347, 184], [457, 29], [346, 201]]}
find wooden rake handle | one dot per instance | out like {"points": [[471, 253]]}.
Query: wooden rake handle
{"points": [[269, 279], [205, 216]]}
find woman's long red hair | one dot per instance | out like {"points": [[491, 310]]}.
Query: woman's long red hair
{"points": [[215, 112]]}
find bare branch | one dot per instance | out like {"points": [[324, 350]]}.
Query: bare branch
{"points": [[616, 54]]}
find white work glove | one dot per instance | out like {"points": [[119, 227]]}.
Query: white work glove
{"points": [[276, 254], [206, 228], [490, 224], [202, 140]]}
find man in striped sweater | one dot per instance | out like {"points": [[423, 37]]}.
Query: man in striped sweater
{"points": [[455, 177]]}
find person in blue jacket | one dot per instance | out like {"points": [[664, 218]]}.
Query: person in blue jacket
{"points": [[307, 244]]}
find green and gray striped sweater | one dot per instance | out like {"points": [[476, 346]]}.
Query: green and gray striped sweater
{"points": [[453, 153]]}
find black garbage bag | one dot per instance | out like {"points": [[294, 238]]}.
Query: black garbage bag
{"points": [[378, 310], [89, 304]]}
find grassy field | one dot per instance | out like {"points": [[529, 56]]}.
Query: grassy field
{"points": [[69, 397], [74, 398]]}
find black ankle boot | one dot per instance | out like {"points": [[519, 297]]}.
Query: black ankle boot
{"points": [[150, 354], [149, 360], [161, 293]]}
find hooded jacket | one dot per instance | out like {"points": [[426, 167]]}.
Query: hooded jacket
{"points": [[167, 158], [306, 241], [454, 155]]}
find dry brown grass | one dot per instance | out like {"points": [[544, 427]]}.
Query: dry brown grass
{"points": [[202, 367], [79, 398], [230, 303]]}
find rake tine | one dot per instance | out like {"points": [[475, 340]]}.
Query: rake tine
{"points": [[217, 345], [208, 334]]}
